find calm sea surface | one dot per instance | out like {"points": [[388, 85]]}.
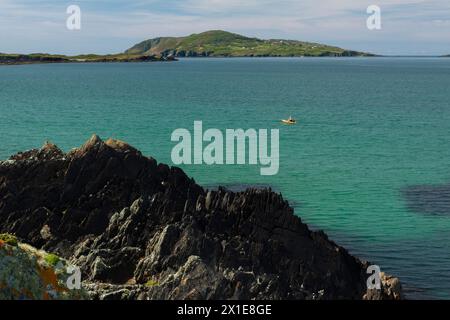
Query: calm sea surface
{"points": [[368, 162]]}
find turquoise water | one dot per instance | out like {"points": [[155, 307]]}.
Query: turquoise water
{"points": [[368, 130]]}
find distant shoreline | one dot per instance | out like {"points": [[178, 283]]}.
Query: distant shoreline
{"points": [[72, 62], [24, 59], [143, 59], [208, 44], [310, 57]]}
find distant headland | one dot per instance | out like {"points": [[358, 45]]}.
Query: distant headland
{"points": [[11, 59]]}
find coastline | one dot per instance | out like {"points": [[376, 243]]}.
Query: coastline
{"points": [[23, 59], [173, 59]]}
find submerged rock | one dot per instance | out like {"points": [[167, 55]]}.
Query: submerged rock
{"points": [[143, 230], [428, 199]]}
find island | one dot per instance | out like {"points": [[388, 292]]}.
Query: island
{"points": [[218, 43]]}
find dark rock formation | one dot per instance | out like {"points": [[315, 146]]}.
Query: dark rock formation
{"points": [[143, 230]]}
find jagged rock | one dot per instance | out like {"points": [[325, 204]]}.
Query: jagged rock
{"points": [[391, 289], [143, 230]]}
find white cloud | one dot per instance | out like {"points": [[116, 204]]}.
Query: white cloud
{"points": [[111, 26]]}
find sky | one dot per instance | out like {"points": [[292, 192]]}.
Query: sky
{"points": [[408, 27]]}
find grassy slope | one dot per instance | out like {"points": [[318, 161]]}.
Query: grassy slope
{"points": [[221, 43]]}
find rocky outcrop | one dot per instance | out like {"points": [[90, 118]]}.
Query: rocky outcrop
{"points": [[143, 230], [391, 289]]}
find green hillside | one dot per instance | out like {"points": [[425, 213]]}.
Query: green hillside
{"points": [[218, 43]]}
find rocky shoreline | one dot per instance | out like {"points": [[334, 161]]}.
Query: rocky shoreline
{"points": [[139, 229]]}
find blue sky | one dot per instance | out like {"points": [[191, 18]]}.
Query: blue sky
{"points": [[416, 27]]}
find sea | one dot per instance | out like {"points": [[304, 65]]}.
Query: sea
{"points": [[368, 161]]}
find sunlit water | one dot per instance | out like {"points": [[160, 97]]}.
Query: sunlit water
{"points": [[368, 161]]}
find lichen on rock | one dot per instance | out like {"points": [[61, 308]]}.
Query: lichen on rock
{"points": [[26, 274]]}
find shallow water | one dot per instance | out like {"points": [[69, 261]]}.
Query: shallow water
{"points": [[367, 162]]}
